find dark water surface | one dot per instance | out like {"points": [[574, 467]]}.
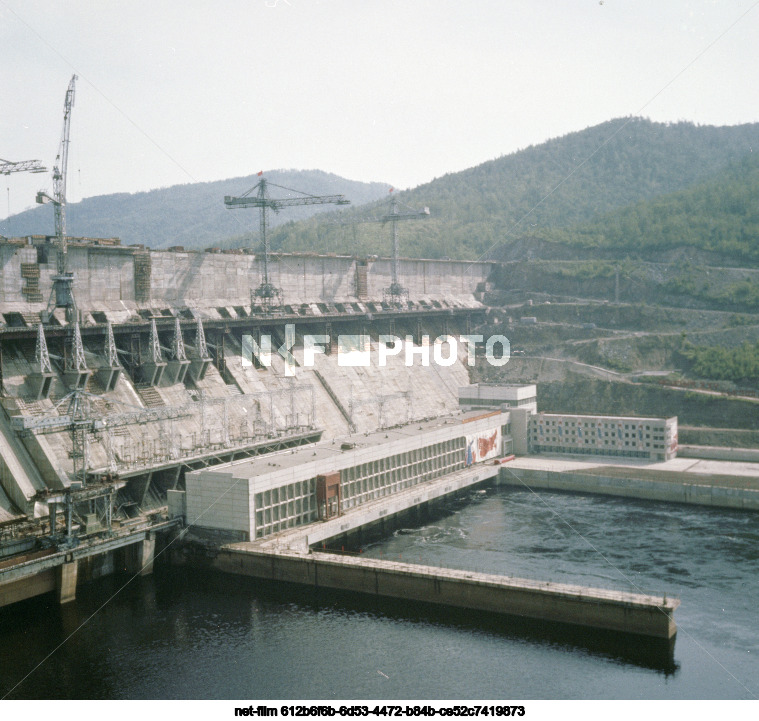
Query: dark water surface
{"points": [[190, 634]]}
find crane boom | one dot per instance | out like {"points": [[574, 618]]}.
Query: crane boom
{"points": [[275, 205], [257, 197], [392, 217], [33, 166]]}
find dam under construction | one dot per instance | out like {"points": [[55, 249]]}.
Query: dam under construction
{"points": [[179, 414], [105, 412], [119, 418]]}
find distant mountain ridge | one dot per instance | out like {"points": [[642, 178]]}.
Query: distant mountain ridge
{"points": [[192, 215], [561, 183], [609, 190]]}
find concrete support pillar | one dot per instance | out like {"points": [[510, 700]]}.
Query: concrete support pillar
{"points": [[140, 557], [152, 373], [175, 372], [76, 379], [519, 418], [66, 585], [199, 366], [108, 376], [39, 385]]}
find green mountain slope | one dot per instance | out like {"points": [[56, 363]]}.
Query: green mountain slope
{"points": [[558, 184], [719, 215], [191, 215]]}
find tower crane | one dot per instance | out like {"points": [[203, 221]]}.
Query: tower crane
{"points": [[62, 295], [396, 292], [33, 166], [257, 197]]}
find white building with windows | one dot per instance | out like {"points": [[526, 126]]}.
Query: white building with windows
{"points": [[619, 436], [485, 395], [258, 497]]}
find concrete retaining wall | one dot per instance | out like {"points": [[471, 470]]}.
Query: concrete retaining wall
{"points": [[697, 493], [719, 453], [23, 588], [596, 608]]}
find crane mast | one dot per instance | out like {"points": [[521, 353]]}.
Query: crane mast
{"points": [[62, 295], [258, 197], [396, 292]]}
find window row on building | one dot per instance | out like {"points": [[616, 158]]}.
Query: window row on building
{"points": [[654, 438], [382, 477], [617, 452], [285, 507]]}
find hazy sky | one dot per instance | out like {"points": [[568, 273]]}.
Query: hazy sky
{"points": [[396, 91]]}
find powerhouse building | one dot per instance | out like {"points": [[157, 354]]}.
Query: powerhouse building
{"points": [[271, 494]]}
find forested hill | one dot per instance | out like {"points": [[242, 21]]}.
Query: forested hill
{"points": [[192, 215], [559, 184], [719, 216]]}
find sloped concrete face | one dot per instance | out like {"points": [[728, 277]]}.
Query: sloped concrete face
{"points": [[244, 403]]}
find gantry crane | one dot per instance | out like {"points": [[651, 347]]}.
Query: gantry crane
{"points": [[33, 166], [63, 294], [396, 292], [257, 197], [82, 497]]}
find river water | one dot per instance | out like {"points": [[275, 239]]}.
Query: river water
{"points": [[184, 633]]}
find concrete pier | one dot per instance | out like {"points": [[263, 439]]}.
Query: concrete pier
{"points": [[38, 572], [67, 574], [617, 611], [139, 557]]}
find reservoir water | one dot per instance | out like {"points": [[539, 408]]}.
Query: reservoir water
{"points": [[185, 633]]}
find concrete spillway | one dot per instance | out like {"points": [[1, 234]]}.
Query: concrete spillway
{"points": [[556, 602]]}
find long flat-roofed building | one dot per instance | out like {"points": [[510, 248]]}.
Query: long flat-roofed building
{"points": [[270, 494], [620, 436]]}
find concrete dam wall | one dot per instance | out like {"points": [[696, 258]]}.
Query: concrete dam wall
{"points": [[114, 277]]}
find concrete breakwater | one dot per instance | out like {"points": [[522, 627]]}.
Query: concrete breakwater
{"points": [[617, 611]]}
